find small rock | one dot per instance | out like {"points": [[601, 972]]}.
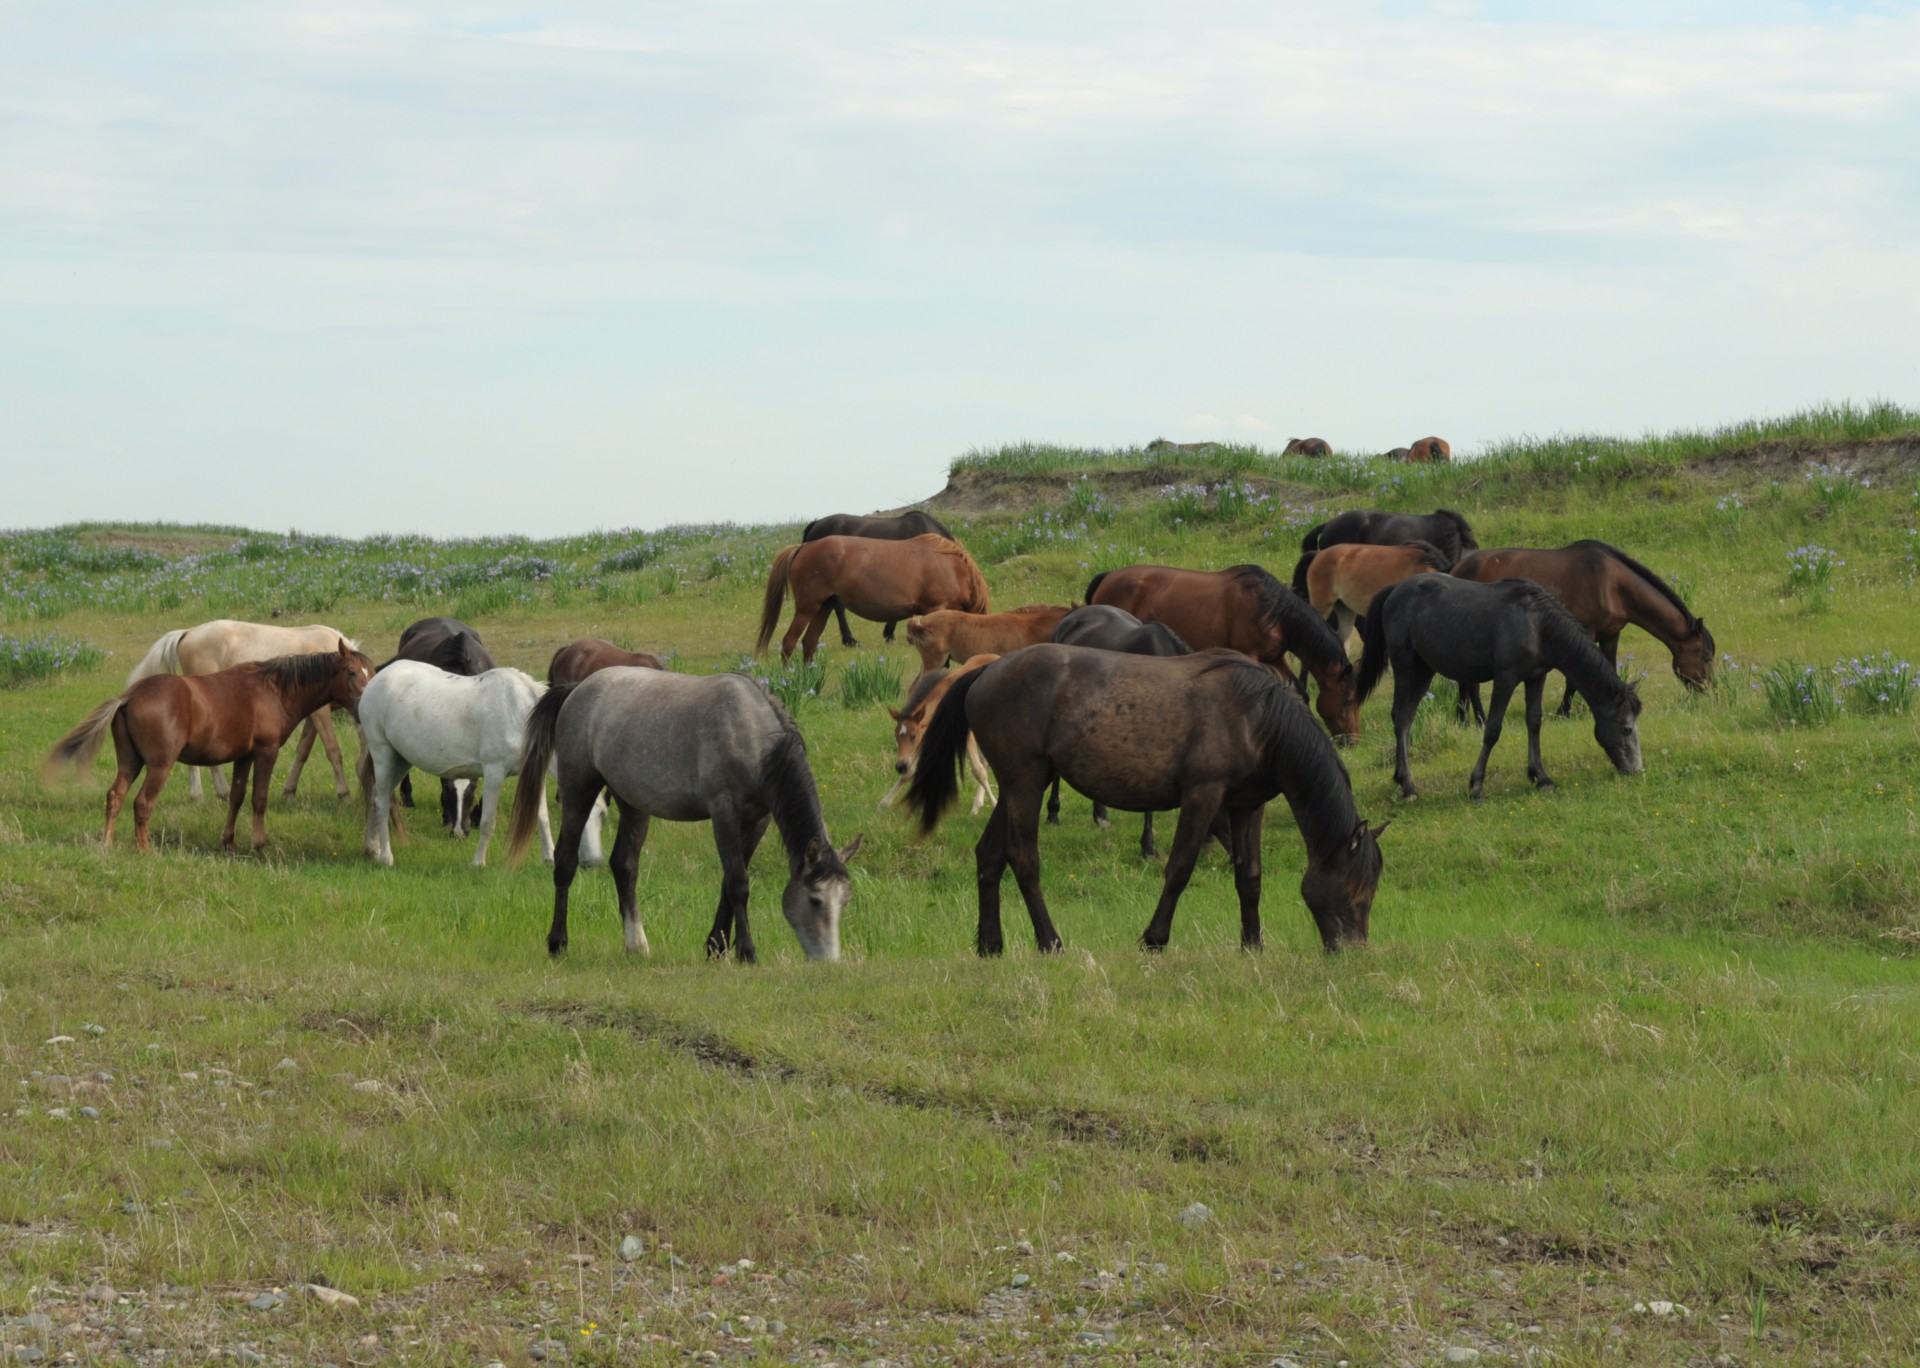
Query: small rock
{"points": [[1093, 1337], [285, 1066], [776, 1327], [542, 1350], [632, 1248], [373, 1085], [26, 1353], [1661, 1308], [1725, 1361], [1018, 1280], [102, 1076], [58, 1113], [160, 1142], [91, 1113], [753, 1325], [1282, 1363], [1460, 1353], [1196, 1215], [246, 1353], [1063, 1257], [331, 1296], [1024, 1249], [55, 1081], [706, 1356], [102, 1292], [59, 1040], [268, 1301], [175, 1291], [94, 1028]]}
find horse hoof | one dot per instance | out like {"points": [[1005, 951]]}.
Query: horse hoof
{"points": [[556, 948], [1152, 947], [1103, 823]]}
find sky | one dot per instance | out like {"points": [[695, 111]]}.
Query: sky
{"points": [[478, 268]]}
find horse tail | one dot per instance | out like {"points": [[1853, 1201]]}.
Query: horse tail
{"points": [[1311, 542], [1373, 643], [1093, 586], [936, 777], [78, 747], [536, 753], [976, 583], [776, 595], [363, 771], [1432, 556], [163, 657], [1467, 543], [1300, 573]]}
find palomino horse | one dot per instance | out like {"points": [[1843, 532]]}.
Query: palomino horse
{"points": [[455, 726], [910, 723], [1605, 589], [950, 634], [1430, 449], [1511, 633], [874, 579], [713, 748], [1205, 733], [883, 527], [1342, 580], [223, 643], [1243, 609], [456, 648], [240, 716], [1443, 527], [1307, 446], [589, 655]]}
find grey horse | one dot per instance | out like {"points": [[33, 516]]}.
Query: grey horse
{"points": [[715, 748]]}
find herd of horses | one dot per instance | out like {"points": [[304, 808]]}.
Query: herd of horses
{"points": [[1167, 689]]}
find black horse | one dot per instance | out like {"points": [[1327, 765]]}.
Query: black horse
{"points": [[1207, 733], [1443, 527], [455, 647], [1511, 632], [898, 527]]}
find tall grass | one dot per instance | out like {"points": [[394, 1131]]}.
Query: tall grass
{"points": [[38, 659]]}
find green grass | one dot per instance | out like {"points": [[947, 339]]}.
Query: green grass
{"points": [[1629, 1040]]}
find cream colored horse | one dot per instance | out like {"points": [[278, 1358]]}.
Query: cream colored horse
{"points": [[224, 643]]}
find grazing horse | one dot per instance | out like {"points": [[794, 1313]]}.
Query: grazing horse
{"points": [[1399, 454], [240, 716], [1244, 609], [1512, 633], [1342, 580], [874, 579], [1430, 449], [1605, 589], [1206, 733], [1307, 446], [714, 748], [456, 648], [224, 643], [455, 726], [589, 655], [1443, 527], [910, 724], [951, 634], [882, 527]]}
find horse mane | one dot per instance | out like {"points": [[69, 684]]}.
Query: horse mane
{"points": [[976, 582], [787, 787], [1665, 589], [1305, 631], [1578, 658], [1295, 746], [301, 671], [917, 691], [1467, 543]]}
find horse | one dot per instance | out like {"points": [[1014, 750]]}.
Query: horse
{"points": [[1244, 609], [456, 648], [1342, 580], [1398, 454], [241, 716], [589, 655], [223, 643], [455, 726], [713, 748], [875, 579], [910, 723], [1206, 733], [1511, 632], [882, 527], [1430, 449], [950, 634], [1605, 589], [1443, 527], [1306, 446]]}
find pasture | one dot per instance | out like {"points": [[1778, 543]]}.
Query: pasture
{"points": [[1630, 1072]]}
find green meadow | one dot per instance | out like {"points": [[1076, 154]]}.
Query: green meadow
{"points": [[1630, 1072]]}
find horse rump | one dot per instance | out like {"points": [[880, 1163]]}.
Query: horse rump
{"points": [[536, 753]]}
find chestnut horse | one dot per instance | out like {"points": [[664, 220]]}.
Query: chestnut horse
{"points": [[950, 634], [1606, 589], [873, 579], [1342, 580], [1307, 446], [240, 716], [1430, 449], [885, 527], [910, 724], [1443, 527], [578, 659], [1244, 609]]}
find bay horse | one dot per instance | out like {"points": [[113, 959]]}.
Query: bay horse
{"points": [[571, 664], [1430, 449], [224, 643], [1606, 589], [241, 716], [910, 724], [455, 726], [1207, 733], [712, 748], [456, 648], [1342, 580], [884, 527], [1244, 609], [951, 634], [874, 579], [1443, 528], [1510, 633], [1306, 446]]}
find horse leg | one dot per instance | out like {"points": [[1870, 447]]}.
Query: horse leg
{"points": [[1244, 829], [1536, 767], [1496, 715], [263, 763], [592, 851], [194, 790], [1197, 808], [220, 786], [495, 778], [452, 804], [308, 730], [982, 776], [730, 917], [157, 771], [1147, 849], [846, 632], [1409, 687], [1100, 818], [406, 792], [378, 842], [989, 866], [242, 769], [810, 643], [1021, 849], [886, 633], [1053, 803], [625, 867]]}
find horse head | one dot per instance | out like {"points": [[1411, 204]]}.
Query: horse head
{"points": [[1339, 892], [355, 672], [907, 727], [1693, 657], [1338, 702], [1617, 728], [816, 895]]}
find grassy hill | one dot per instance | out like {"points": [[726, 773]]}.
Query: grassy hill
{"points": [[1627, 1043]]}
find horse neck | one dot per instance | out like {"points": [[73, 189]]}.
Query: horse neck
{"points": [[1315, 785], [790, 795], [1653, 612], [301, 699], [1590, 674]]}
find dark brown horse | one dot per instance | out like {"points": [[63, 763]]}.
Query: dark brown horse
{"points": [[578, 659], [1307, 446], [883, 527], [453, 646], [1443, 527], [880, 580], [1342, 580], [1244, 609], [1606, 589], [1206, 734], [239, 716], [1430, 449]]}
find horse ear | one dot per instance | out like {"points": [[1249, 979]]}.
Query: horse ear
{"points": [[1382, 827], [851, 848], [896, 714], [343, 647], [812, 856]]}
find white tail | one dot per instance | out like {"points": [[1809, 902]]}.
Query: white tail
{"points": [[163, 657]]}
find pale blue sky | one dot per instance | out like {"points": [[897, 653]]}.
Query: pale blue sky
{"points": [[475, 268]]}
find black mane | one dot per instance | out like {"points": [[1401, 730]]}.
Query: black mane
{"points": [[788, 789], [1666, 590], [1278, 606], [303, 671]]}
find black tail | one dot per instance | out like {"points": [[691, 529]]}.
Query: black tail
{"points": [[936, 776], [1373, 640], [536, 752], [1300, 572], [1094, 584], [1311, 542]]}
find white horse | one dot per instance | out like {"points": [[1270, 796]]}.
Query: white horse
{"points": [[224, 643], [455, 726]]}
